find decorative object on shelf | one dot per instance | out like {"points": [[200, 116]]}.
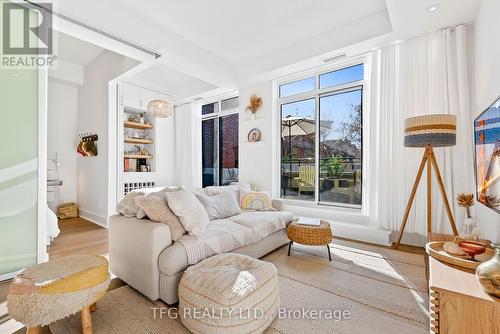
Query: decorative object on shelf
{"points": [[436, 250], [469, 229], [255, 104], [437, 130], [451, 247], [487, 149], [488, 273], [466, 200], [138, 150], [160, 108], [472, 248], [134, 118], [141, 118], [254, 135], [87, 147]]}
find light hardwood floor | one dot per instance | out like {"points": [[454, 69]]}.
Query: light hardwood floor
{"points": [[78, 236]]}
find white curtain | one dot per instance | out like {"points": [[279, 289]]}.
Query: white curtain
{"points": [[188, 145], [424, 75]]}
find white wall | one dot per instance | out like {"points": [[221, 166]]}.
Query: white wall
{"points": [[61, 135], [165, 151], [255, 159], [487, 89], [92, 172]]}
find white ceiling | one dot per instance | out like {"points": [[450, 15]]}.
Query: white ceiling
{"points": [[239, 31], [73, 50], [171, 81], [412, 17], [225, 43]]}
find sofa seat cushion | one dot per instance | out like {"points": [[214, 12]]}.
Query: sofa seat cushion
{"points": [[222, 236], [263, 223]]}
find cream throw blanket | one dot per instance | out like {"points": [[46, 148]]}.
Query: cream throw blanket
{"points": [[225, 235]]}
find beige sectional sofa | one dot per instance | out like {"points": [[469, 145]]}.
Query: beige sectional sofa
{"points": [[143, 254]]}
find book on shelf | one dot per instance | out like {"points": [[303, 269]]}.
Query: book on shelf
{"points": [[132, 165]]}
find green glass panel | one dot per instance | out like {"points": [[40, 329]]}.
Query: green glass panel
{"points": [[18, 167]]}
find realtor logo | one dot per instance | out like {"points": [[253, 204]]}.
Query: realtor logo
{"points": [[27, 29], [27, 35]]}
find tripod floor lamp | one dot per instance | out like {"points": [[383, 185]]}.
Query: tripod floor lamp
{"points": [[429, 131]]}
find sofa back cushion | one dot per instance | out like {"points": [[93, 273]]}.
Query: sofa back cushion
{"points": [[220, 206], [157, 210], [189, 210], [129, 208]]}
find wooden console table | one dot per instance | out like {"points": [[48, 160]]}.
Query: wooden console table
{"points": [[457, 302]]}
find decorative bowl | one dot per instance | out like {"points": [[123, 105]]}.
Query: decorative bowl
{"points": [[472, 248]]}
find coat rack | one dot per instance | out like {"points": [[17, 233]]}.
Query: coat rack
{"points": [[87, 147]]}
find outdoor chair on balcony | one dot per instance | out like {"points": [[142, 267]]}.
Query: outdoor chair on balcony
{"points": [[306, 179]]}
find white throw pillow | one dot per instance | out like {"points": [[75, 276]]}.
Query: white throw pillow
{"points": [[234, 188], [189, 210], [220, 206]]}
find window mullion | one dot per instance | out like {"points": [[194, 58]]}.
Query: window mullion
{"points": [[317, 151]]}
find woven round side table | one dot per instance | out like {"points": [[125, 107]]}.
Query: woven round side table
{"points": [[310, 235]]}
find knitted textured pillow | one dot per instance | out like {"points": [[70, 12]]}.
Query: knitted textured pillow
{"points": [[256, 201], [157, 210]]}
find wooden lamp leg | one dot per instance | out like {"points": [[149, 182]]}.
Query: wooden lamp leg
{"points": [[431, 161], [428, 153], [33, 330], [410, 200], [86, 320], [443, 194]]}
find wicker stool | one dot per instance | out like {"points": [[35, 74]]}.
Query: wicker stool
{"points": [[310, 235], [230, 293], [44, 293]]}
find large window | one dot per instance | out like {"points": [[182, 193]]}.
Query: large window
{"points": [[322, 137], [219, 129]]}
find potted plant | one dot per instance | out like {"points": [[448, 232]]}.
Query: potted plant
{"points": [[335, 167]]}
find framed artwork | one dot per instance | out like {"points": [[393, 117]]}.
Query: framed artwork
{"points": [[487, 156], [254, 135]]}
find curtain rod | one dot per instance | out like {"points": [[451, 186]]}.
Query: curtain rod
{"points": [[86, 26]]}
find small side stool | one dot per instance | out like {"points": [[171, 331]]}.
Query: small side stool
{"points": [[44, 293], [310, 235]]}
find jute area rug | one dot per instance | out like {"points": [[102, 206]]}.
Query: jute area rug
{"points": [[384, 291]]}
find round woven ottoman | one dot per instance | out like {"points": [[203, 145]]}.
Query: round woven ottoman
{"points": [[229, 293], [44, 293], [310, 235]]}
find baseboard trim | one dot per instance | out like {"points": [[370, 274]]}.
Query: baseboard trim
{"points": [[361, 233], [93, 217]]}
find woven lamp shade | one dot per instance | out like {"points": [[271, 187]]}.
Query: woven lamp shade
{"points": [[160, 108], [436, 130]]}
